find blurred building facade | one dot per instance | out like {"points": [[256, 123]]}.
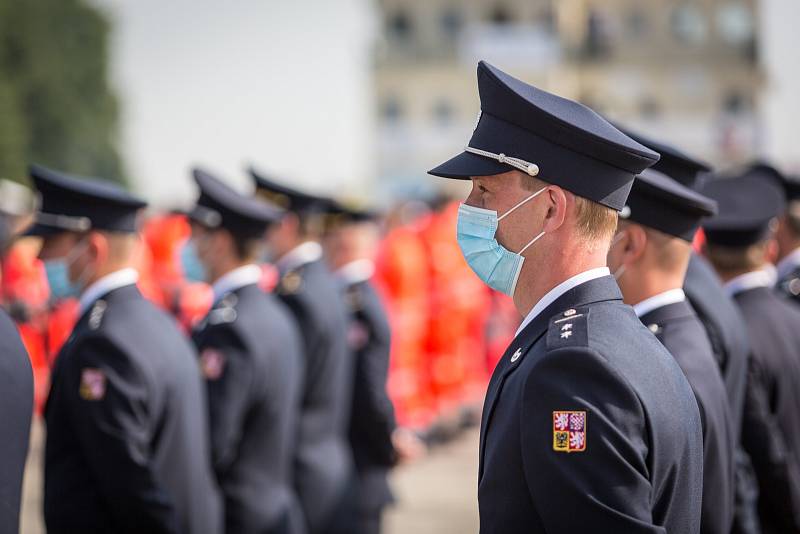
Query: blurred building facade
{"points": [[685, 70]]}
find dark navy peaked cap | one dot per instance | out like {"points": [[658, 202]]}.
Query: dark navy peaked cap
{"points": [[789, 184], [557, 140], [747, 206], [673, 162], [340, 213], [219, 206], [73, 204], [657, 201], [286, 197]]}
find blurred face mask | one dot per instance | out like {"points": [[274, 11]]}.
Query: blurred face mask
{"points": [[57, 272], [617, 274], [193, 268], [495, 265]]}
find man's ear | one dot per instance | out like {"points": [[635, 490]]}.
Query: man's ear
{"points": [[556, 208], [98, 247], [636, 243]]}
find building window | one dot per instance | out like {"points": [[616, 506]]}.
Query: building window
{"points": [[399, 26], [636, 24], [451, 23], [688, 24], [392, 110], [736, 102], [649, 108], [546, 20], [500, 16], [598, 35], [443, 112], [735, 23]]}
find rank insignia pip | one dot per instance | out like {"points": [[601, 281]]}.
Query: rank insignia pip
{"points": [[212, 363], [569, 431]]}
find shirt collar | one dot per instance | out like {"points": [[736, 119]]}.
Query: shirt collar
{"points": [[788, 264], [356, 271], [300, 255], [105, 285], [235, 279], [559, 290], [765, 277], [655, 302]]}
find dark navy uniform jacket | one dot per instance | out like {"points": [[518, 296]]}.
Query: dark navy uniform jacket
{"points": [[771, 429], [127, 439], [372, 421], [249, 349], [677, 327], [16, 408], [589, 426], [323, 459]]}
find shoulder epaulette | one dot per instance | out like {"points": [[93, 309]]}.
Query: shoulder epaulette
{"points": [[568, 329]]}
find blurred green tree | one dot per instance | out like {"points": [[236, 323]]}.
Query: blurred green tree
{"points": [[56, 105]]}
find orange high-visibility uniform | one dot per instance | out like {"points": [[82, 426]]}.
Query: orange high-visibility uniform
{"points": [[401, 278]]}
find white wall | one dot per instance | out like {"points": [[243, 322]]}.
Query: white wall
{"points": [[780, 48], [284, 84]]}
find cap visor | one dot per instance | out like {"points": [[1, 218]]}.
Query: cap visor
{"points": [[41, 230], [467, 164]]}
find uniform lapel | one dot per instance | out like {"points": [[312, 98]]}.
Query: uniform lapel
{"points": [[597, 290]]}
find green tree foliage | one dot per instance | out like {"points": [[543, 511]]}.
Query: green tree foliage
{"points": [[56, 107]]}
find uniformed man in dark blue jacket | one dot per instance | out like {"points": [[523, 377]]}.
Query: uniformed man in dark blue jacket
{"points": [[127, 439], [249, 348], [16, 409], [649, 257], [325, 480], [350, 244], [724, 326], [740, 245], [589, 424]]}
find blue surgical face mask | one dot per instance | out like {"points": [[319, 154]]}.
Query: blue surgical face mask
{"points": [[497, 266], [57, 273], [193, 268]]}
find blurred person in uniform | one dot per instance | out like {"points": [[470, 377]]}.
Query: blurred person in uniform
{"points": [[589, 423], [16, 409], [249, 348], [724, 325], [127, 447], [649, 257], [740, 245], [324, 475], [350, 246]]}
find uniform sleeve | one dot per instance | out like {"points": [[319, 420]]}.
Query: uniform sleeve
{"points": [[110, 410], [373, 410], [584, 446], [228, 373], [777, 468]]}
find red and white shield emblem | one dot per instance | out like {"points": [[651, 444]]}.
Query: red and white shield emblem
{"points": [[212, 363], [93, 384], [569, 431]]}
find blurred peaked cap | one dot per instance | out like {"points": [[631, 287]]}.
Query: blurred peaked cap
{"points": [[338, 212], [659, 202], [73, 204], [285, 196], [765, 170], [220, 206], [746, 208], [673, 162], [552, 138]]}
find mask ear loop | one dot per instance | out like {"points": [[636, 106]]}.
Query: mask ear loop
{"points": [[534, 240], [506, 214]]}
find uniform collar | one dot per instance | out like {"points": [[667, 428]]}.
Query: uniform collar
{"points": [[356, 271], [559, 290], [235, 279], [671, 296], [300, 255], [765, 277], [106, 284], [788, 264]]}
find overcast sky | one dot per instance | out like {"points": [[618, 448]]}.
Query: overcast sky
{"points": [[282, 84]]}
